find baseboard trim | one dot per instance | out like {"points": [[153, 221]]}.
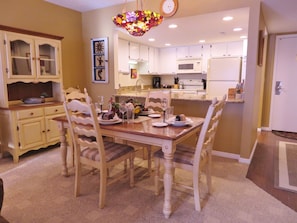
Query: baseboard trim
{"points": [[226, 155], [236, 156]]}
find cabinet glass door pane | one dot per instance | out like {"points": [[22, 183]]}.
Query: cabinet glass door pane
{"points": [[20, 57], [47, 62]]}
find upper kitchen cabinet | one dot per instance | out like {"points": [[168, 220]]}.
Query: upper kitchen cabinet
{"points": [[153, 60], [134, 51], [206, 54], [227, 49], [123, 56], [167, 61], [189, 52], [30, 58], [143, 53]]}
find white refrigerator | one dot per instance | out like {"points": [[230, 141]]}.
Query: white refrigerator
{"points": [[223, 73]]}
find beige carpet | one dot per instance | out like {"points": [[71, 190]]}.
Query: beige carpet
{"points": [[286, 170], [35, 192]]}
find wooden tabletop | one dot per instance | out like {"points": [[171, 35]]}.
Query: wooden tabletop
{"points": [[145, 128]]}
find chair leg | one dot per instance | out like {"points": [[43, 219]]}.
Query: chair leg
{"points": [[131, 162], [196, 191], [149, 159], [77, 178], [208, 175], [102, 190], [157, 175]]}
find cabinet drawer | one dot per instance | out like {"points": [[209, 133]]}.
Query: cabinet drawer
{"points": [[29, 113], [54, 110]]}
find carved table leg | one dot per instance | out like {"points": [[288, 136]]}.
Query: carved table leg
{"points": [[168, 179], [63, 147]]}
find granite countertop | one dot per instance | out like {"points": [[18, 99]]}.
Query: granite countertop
{"points": [[176, 95]]}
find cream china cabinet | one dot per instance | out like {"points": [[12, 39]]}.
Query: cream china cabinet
{"points": [[30, 68]]}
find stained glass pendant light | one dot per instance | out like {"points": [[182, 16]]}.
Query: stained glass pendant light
{"points": [[137, 22]]}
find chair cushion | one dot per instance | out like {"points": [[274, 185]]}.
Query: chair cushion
{"points": [[112, 151], [183, 154]]}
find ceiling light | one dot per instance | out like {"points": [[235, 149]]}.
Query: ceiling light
{"points": [[167, 44], [227, 18], [237, 29], [137, 22], [151, 39], [202, 41], [243, 37], [172, 26]]}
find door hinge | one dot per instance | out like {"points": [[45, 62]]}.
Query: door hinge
{"points": [[18, 128], [19, 144], [4, 42]]}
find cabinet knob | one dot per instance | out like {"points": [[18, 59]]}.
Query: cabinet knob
{"points": [[32, 113], [56, 110]]}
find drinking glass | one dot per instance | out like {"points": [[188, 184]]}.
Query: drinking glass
{"points": [[164, 107], [101, 102], [123, 109]]}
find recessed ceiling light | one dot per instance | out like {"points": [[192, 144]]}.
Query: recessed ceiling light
{"points": [[172, 26], [227, 18], [237, 29], [167, 44], [202, 41], [151, 39], [243, 37]]}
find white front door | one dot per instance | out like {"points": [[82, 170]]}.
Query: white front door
{"points": [[284, 89]]}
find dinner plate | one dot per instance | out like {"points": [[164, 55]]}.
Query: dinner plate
{"points": [[180, 123], [110, 122], [155, 115], [160, 124]]}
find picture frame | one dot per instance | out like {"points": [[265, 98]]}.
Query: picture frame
{"points": [[133, 73], [99, 47]]}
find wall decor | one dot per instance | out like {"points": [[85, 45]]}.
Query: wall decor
{"points": [[99, 60], [133, 73]]}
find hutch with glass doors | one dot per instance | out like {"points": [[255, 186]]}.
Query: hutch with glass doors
{"points": [[30, 90]]}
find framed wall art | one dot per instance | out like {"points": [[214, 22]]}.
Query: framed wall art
{"points": [[99, 48]]}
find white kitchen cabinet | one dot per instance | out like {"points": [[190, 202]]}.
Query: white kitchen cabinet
{"points": [[143, 53], [167, 62], [189, 52], [153, 60], [31, 58], [29, 129], [134, 51], [227, 49], [206, 54], [123, 56]]}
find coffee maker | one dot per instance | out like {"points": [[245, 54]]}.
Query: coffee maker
{"points": [[156, 82]]}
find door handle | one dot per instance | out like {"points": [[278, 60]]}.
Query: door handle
{"points": [[278, 87]]}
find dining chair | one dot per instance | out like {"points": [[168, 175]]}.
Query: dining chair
{"points": [[153, 101], [198, 159], [90, 148]]}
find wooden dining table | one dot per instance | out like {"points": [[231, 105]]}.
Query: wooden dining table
{"points": [[143, 131]]}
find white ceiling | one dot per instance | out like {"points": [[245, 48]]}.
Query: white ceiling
{"points": [[280, 17]]}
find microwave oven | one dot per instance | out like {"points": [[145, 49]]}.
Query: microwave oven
{"points": [[189, 66]]}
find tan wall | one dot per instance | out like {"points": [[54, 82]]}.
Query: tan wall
{"points": [[40, 16]]}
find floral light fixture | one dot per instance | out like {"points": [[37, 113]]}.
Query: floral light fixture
{"points": [[137, 22]]}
